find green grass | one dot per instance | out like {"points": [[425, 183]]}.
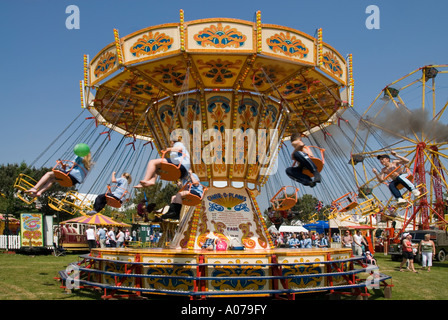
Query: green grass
{"points": [[26, 277], [423, 285]]}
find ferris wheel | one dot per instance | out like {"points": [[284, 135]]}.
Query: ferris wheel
{"points": [[408, 119]]}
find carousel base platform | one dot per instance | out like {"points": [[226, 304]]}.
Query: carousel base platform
{"points": [[200, 274]]}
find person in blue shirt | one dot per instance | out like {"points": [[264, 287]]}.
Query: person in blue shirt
{"points": [[293, 242], [178, 154], [323, 242], [78, 172], [306, 241], [196, 189], [119, 192], [102, 237]]}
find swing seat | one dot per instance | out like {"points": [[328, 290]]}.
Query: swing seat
{"points": [[368, 207], [55, 204], [190, 199], [23, 183], [423, 191], [364, 191], [112, 201], [169, 171], [61, 175], [319, 163], [62, 178], [282, 201], [410, 177], [72, 203], [346, 203]]}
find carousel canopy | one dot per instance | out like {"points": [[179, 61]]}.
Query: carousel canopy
{"points": [[97, 219], [217, 74]]}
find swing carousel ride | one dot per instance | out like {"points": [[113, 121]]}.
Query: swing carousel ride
{"points": [[234, 91]]}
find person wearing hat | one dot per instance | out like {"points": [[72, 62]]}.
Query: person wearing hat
{"points": [[370, 259], [398, 175], [407, 251]]}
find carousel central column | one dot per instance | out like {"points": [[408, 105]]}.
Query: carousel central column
{"points": [[232, 163]]}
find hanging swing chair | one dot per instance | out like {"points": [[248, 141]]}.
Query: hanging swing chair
{"points": [[368, 207], [169, 171], [318, 162], [282, 200], [74, 203], [112, 200], [399, 168], [191, 199], [55, 204], [61, 173], [345, 203], [23, 183]]}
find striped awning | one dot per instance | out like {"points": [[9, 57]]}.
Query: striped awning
{"points": [[97, 219]]}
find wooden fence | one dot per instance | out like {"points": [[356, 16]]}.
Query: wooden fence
{"points": [[9, 242]]}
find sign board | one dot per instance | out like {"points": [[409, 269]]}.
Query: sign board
{"points": [[31, 230]]}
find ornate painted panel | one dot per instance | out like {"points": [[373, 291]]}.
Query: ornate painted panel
{"points": [[151, 43], [220, 35]]}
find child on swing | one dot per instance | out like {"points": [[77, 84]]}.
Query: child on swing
{"points": [[122, 185], [176, 201], [302, 154], [178, 154], [77, 174]]}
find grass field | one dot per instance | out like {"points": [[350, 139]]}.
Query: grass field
{"points": [[25, 277]]}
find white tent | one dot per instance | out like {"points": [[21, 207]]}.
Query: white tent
{"points": [[273, 229], [293, 229]]}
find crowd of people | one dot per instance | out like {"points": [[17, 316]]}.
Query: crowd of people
{"points": [[300, 240], [107, 238], [356, 242]]}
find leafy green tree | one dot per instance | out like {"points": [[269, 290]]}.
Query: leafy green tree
{"points": [[306, 208]]}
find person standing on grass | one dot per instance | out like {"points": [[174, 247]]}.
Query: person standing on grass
{"points": [[102, 237], [427, 249], [120, 238], [91, 239], [408, 254]]}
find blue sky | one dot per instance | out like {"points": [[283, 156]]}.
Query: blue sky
{"points": [[42, 61]]}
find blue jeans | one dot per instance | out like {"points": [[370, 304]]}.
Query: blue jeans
{"points": [[305, 162], [401, 179]]}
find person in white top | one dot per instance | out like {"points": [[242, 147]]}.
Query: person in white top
{"points": [[120, 238], [358, 241], [111, 238], [91, 239], [178, 154]]}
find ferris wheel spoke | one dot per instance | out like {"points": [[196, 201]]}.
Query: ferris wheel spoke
{"points": [[391, 132]]}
